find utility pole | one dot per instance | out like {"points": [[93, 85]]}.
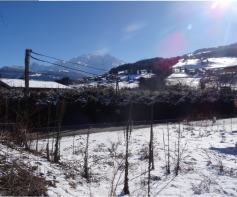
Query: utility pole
{"points": [[27, 65], [26, 92], [117, 86]]}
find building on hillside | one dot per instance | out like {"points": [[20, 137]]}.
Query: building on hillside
{"points": [[33, 85], [192, 72], [230, 69], [135, 71], [145, 71]]}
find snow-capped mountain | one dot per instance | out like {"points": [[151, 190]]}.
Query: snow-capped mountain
{"points": [[86, 63], [12, 72]]}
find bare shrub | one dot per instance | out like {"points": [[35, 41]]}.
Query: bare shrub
{"points": [[19, 179], [207, 185], [144, 153]]}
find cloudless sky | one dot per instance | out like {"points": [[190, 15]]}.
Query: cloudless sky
{"points": [[130, 31]]}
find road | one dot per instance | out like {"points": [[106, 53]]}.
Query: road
{"points": [[81, 131]]}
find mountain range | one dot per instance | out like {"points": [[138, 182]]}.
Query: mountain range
{"points": [[77, 67]]}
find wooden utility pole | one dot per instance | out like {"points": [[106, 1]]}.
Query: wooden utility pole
{"points": [[27, 65], [26, 92]]}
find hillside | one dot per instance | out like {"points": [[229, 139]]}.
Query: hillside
{"points": [[209, 63], [218, 57], [226, 49], [159, 65], [181, 69]]}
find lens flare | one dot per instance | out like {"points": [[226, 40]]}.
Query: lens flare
{"points": [[172, 45], [190, 26]]}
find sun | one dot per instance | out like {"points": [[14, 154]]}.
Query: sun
{"points": [[221, 8]]}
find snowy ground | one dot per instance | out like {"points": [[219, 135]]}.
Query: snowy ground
{"points": [[212, 63], [208, 161], [184, 79]]}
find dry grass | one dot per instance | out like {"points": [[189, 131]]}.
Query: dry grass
{"points": [[20, 179]]}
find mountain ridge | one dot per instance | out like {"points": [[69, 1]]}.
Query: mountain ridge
{"points": [[89, 63]]}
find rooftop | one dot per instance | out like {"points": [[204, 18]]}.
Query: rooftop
{"points": [[19, 83]]}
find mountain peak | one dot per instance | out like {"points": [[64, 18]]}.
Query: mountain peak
{"points": [[91, 63]]}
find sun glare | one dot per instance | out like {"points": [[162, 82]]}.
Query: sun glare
{"points": [[217, 9], [214, 5], [222, 3]]}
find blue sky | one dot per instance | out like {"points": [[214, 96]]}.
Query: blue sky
{"points": [[130, 31]]}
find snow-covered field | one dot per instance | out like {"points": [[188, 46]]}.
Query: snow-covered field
{"points": [[207, 168], [184, 79], [211, 63]]}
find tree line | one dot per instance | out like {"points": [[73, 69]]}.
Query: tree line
{"points": [[158, 65]]}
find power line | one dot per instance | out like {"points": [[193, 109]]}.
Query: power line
{"points": [[19, 72], [61, 65], [1, 71], [62, 75], [35, 72], [69, 61]]}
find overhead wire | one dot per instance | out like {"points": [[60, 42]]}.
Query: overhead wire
{"points": [[35, 72], [62, 75], [20, 72], [62, 65], [69, 61]]}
